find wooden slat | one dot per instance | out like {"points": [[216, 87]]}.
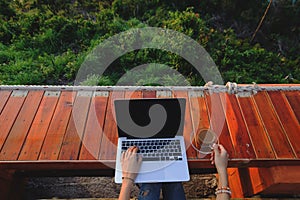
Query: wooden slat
{"points": [[218, 122], [274, 180], [56, 165], [92, 164], [19, 131], [261, 143], [276, 134], [110, 136], [4, 95], [137, 94], [294, 100], [90, 148], [287, 119], [57, 128], [237, 128], [188, 126], [72, 141], [39, 127], [286, 180], [238, 190], [199, 115], [149, 94], [8, 116]]}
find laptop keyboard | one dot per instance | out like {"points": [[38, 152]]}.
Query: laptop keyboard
{"points": [[156, 150]]}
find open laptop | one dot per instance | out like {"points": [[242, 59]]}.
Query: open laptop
{"points": [[156, 127]]}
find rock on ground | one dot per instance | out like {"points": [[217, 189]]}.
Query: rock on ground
{"points": [[103, 187]]}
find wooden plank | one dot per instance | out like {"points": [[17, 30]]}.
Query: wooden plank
{"points": [[93, 133], [149, 94], [294, 99], [72, 141], [287, 119], [188, 126], [272, 125], [238, 190], [135, 94], [275, 180], [260, 140], [218, 122], [39, 127], [41, 165], [286, 180], [31, 165], [256, 176], [4, 95], [57, 128], [19, 131], [9, 115], [237, 128], [110, 137], [199, 115]]}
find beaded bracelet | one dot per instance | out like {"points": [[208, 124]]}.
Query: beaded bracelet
{"points": [[225, 190]]}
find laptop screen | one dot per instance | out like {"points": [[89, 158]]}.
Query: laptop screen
{"points": [[150, 118]]}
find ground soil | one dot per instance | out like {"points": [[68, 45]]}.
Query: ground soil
{"points": [[103, 187]]}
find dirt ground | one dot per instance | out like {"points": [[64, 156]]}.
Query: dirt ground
{"points": [[103, 187]]}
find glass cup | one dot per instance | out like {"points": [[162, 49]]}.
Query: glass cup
{"points": [[204, 140]]}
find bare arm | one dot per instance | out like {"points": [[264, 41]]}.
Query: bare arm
{"points": [[131, 163], [220, 159]]}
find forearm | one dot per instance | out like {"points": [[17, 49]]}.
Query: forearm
{"points": [[223, 183], [223, 178], [126, 188]]}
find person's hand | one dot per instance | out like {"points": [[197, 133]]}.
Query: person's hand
{"points": [[131, 163], [219, 157]]}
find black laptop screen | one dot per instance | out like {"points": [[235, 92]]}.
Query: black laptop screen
{"points": [[150, 118]]}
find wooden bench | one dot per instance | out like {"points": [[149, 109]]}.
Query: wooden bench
{"points": [[67, 131]]}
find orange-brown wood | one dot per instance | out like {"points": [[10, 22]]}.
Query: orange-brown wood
{"points": [[285, 180], [235, 183], [199, 116], [94, 129], [260, 178], [57, 129], [188, 126], [72, 141], [110, 137], [258, 135], [218, 122], [35, 126], [57, 165], [18, 133], [8, 116], [4, 95], [288, 120], [237, 128], [149, 94], [133, 94], [272, 125], [38, 130], [274, 180], [294, 100]]}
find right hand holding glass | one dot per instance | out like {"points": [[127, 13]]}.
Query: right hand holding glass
{"points": [[219, 157]]}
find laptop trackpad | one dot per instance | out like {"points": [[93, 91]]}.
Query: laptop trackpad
{"points": [[152, 172], [160, 172]]}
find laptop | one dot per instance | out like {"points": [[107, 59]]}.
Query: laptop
{"points": [[155, 126]]}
